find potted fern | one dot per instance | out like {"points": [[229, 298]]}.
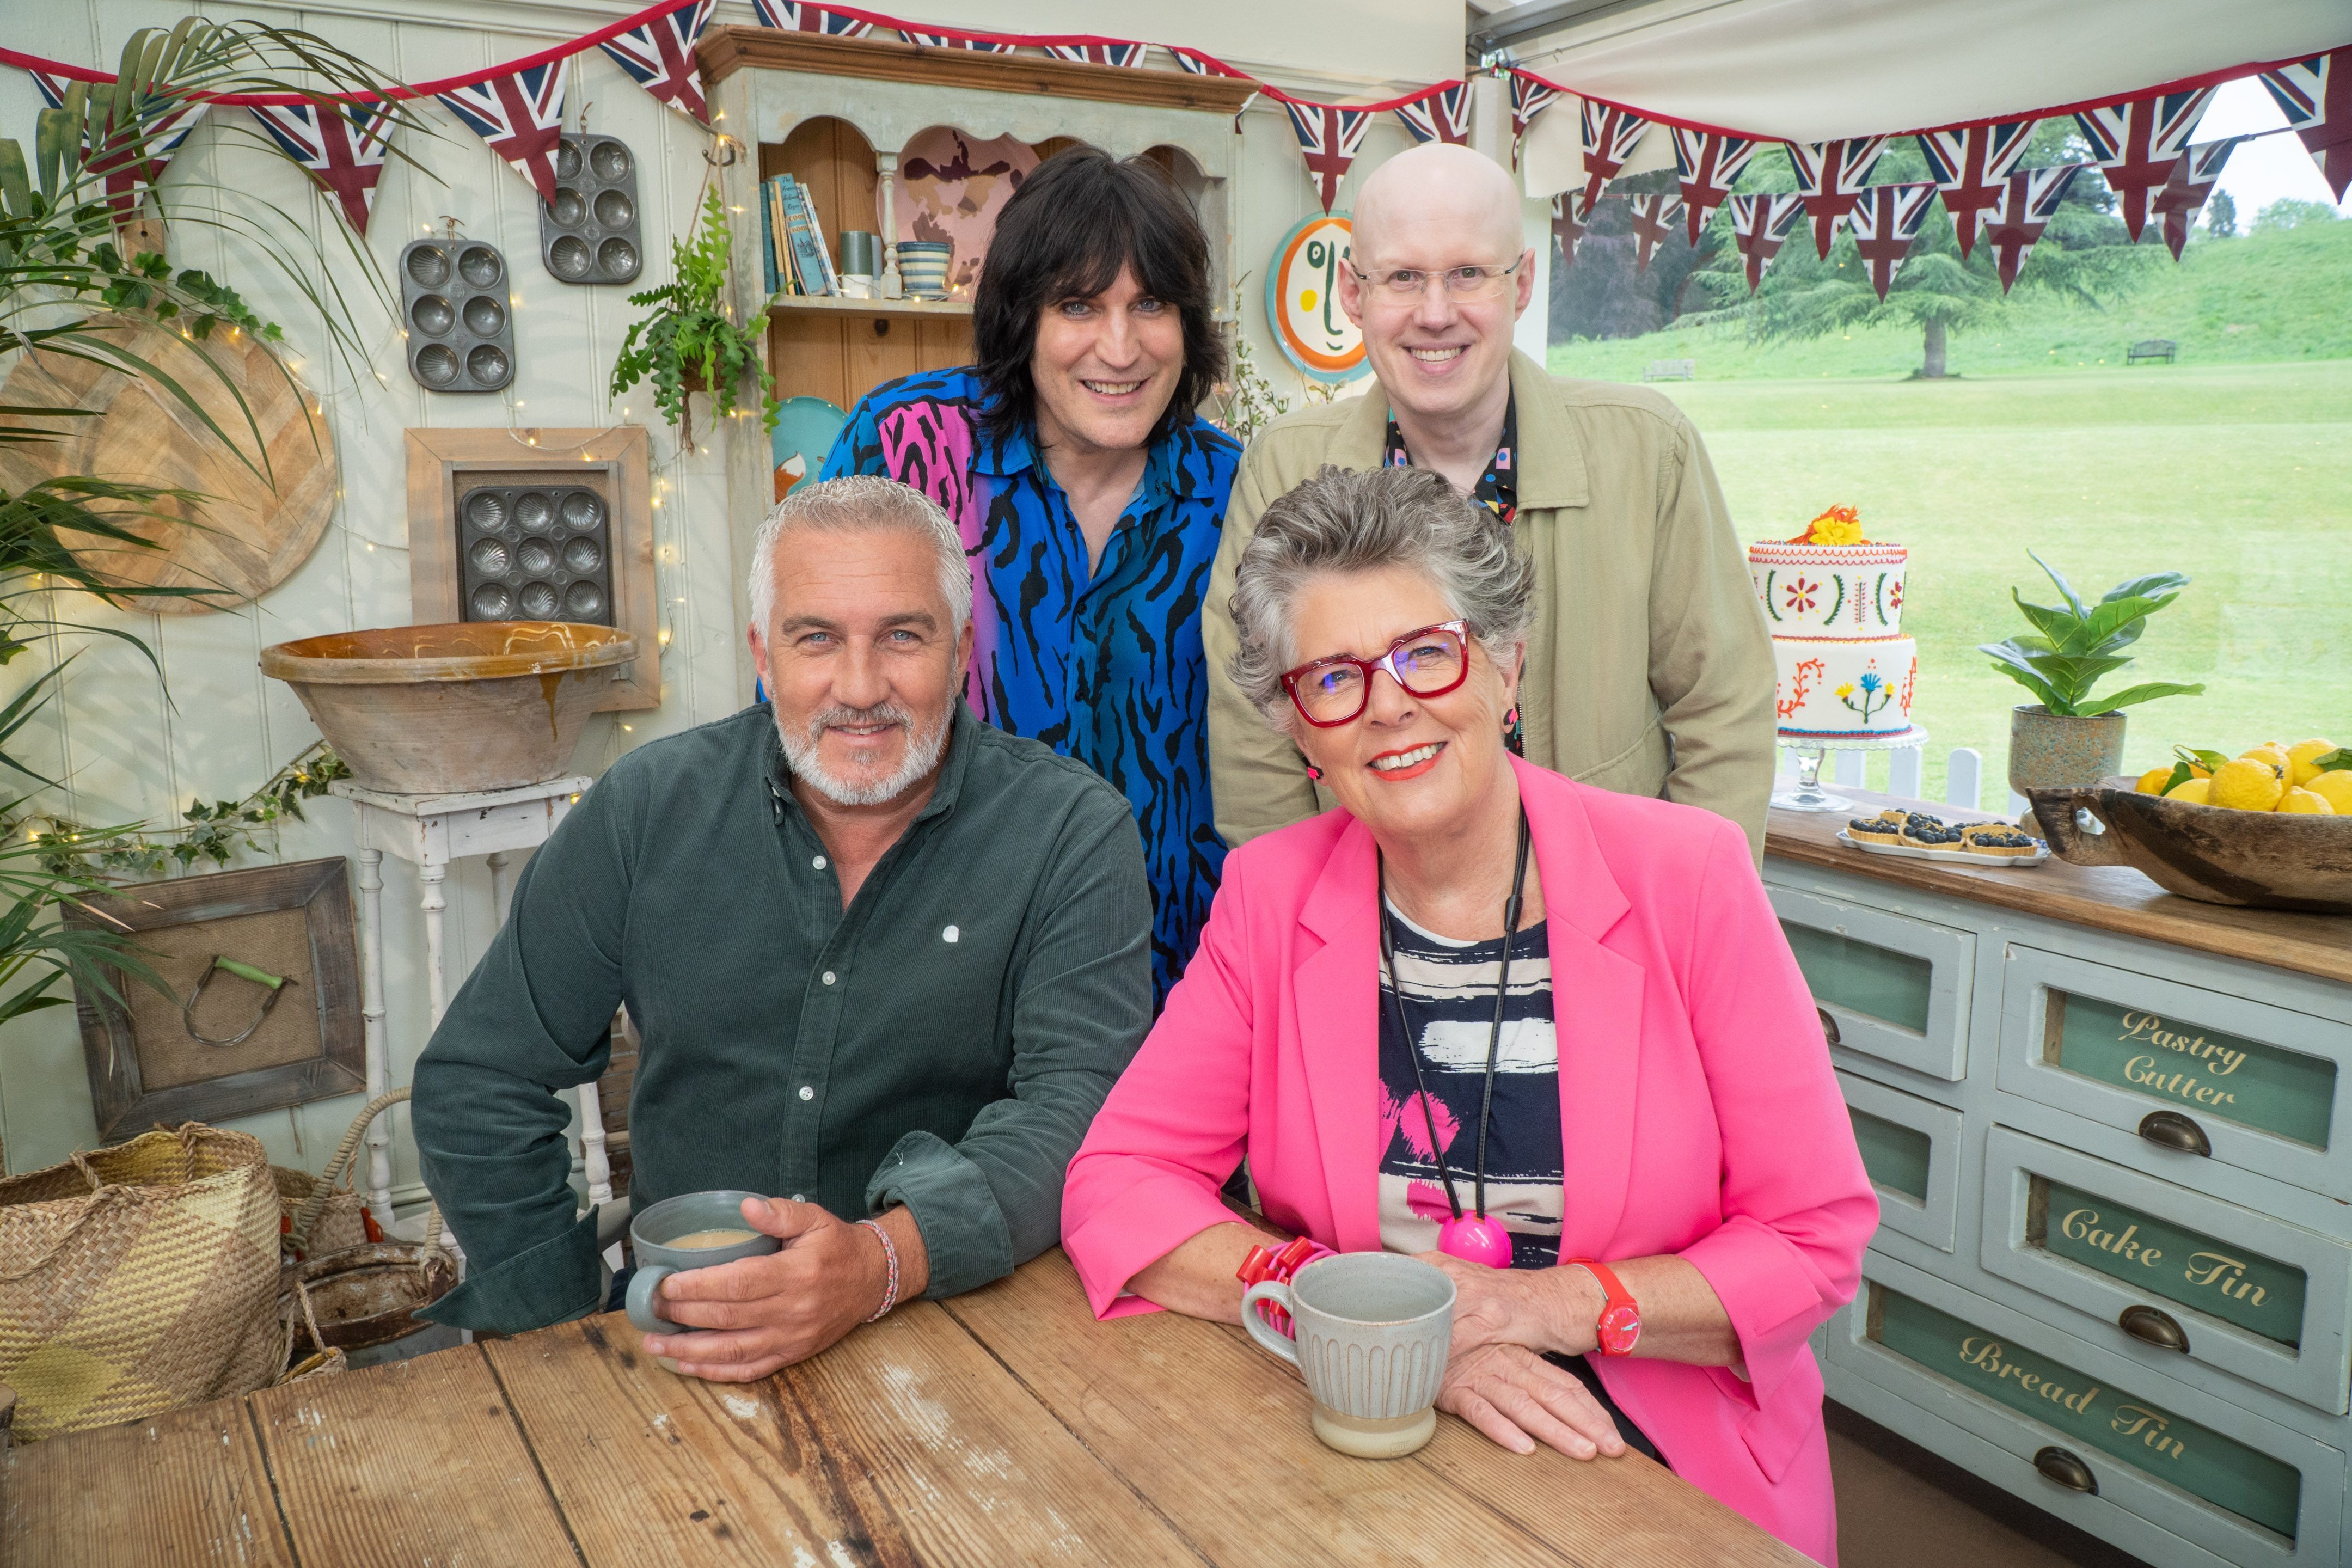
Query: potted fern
{"points": [[689, 343], [2072, 738]]}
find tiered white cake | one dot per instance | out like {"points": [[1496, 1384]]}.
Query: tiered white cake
{"points": [[1835, 610]]}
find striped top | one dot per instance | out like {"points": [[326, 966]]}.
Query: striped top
{"points": [[1449, 1001]]}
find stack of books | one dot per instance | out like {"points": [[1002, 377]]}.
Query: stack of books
{"points": [[793, 249]]}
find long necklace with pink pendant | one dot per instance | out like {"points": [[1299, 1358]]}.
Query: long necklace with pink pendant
{"points": [[1472, 1237]]}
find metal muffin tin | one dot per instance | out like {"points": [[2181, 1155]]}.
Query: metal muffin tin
{"points": [[535, 553], [453, 299], [589, 234]]}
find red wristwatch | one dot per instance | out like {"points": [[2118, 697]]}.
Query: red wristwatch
{"points": [[1620, 1317]]}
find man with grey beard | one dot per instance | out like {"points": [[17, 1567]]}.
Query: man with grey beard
{"points": [[885, 962]]}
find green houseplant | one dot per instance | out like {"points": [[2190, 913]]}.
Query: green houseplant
{"points": [[2073, 737], [690, 343]]}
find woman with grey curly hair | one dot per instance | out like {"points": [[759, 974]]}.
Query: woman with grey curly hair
{"points": [[1547, 1038]]}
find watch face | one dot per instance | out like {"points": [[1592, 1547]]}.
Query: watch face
{"points": [[1620, 1327]]}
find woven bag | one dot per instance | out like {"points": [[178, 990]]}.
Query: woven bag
{"points": [[139, 1279], [342, 1216]]}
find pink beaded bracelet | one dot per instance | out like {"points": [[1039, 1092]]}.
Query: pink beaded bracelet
{"points": [[890, 1256]]}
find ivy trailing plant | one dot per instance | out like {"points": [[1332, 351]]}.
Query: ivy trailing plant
{"points": [[689, 342], [2071, 649], [215, 830]]}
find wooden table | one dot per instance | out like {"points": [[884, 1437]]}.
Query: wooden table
{"points": [[1003, 1428]]}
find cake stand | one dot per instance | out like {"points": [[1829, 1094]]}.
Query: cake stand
{"points": [[1809, 749]]}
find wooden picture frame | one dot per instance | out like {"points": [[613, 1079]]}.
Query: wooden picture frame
{"points": [[616, 462], [310, 1045]]}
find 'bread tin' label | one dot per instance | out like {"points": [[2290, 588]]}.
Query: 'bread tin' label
{"points": [[2233, 1283], [2183, 1064], [2197, 1460]]}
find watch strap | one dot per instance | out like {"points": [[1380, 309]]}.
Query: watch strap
{"points": [[1619, 1324]]}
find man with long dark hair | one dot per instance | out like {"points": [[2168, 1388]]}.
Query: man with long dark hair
{"points": [[1089, 494]]}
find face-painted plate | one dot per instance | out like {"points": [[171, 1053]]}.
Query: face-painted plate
{"points": [[1302, 300]]}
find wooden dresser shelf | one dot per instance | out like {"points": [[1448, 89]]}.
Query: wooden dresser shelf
{"points": [[843, 304]]}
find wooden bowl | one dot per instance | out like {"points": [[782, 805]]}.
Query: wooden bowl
{"points": [[2222, 856], [458, 709]]}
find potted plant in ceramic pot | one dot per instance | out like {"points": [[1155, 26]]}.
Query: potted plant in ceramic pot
{"points": [[2070, 738]]}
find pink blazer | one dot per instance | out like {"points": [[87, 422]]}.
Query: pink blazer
{"points": [[1698, 1114]]}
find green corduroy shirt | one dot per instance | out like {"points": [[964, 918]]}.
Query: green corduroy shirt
{"points": [[943, 1043]]}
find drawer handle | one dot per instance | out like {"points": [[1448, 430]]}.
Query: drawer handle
{"points": [[1829, 1025], [2159, 1329], [2067, 1470], [2170, 1129]]}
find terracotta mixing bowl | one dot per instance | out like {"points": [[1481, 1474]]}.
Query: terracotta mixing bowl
{"points": [[458, 709], [2258, 858]]}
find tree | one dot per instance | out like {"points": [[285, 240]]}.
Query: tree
{"points": [[2082, 253], [2222, 216], [2288, 213]]}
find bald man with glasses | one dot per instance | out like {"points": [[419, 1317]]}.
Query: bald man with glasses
{"points": [[1649, 667]]}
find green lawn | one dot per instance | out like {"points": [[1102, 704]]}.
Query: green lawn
{"points": [[2239, 475]]}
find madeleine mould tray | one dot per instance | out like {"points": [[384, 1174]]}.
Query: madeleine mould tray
{"points": [[535, 553], [1953, 857], [452, 297], [589, 234]]}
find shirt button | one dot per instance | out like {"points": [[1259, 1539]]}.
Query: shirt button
{"points": [[818, 862], [798, 1198], [829, 977], [807, 1093]]}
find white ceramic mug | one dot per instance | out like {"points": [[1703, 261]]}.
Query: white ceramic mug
{"points": [[1370, 1331]]}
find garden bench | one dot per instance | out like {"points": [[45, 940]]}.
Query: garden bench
{"points": [[2152, 348], [1671, 370]]}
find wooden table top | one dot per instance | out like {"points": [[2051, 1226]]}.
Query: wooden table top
{"points": [[2106, 898], [1003, 1426]]}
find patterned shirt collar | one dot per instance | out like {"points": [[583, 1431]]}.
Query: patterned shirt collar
{"points": [[1497, 489]]}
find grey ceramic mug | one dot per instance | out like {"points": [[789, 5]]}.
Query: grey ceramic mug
{"points": [[651, 1232], [1372, 1330]]}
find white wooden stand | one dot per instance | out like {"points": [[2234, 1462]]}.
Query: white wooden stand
{"points": [[429, 832]]}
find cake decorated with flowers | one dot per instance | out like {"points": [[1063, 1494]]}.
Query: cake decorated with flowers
{"points": [[1833, 602]]}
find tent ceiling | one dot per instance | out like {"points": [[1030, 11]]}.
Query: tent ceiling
{"points": [[1813, 69]]}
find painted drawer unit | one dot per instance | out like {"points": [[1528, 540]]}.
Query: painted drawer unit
{"points": [[1911, 1147], [1888, 985], [2198, 1074], [2122, 1451], [2170, 1274]]}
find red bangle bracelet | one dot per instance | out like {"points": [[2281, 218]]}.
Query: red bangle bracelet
{"points": [[1283, 1263]]}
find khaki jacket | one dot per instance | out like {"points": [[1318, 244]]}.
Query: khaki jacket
{"points": [[1649, 669]]}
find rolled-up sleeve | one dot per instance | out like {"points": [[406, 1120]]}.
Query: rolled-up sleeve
{"points": [[1148, 1177], [993, 1200], [535, 1017], [1797, 1209]]}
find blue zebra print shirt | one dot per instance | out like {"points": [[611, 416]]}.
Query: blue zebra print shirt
{"points": [[1103, 666]]}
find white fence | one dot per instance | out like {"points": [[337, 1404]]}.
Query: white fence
{"points": [[1963, 773]]}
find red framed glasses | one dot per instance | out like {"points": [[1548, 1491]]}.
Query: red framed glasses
{"points": [[1430, 662]]}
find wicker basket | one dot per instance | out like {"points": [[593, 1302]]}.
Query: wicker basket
{"points": [[139, 1279]]}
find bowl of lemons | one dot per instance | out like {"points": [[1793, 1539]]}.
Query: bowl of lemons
{"points": [[2270, 827]]}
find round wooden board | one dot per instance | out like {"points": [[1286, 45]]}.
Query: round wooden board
{"points": [[254, 528]]}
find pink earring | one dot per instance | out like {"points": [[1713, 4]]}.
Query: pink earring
{"points": [[1314, 773]]}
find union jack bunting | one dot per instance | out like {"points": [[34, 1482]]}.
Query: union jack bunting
{"points": [[1654, 220], [950, 41], [164, 123], [1329, 136], [659, 57], [1568, 216], [1708, 164], [1529, 97], [1441, 115], [1831, 176], [1099, 54], [340, 146], [2182, 196], [1885, 221], [1610, 137], [2137, 144], [794, 16], [2029, 200], [2315, 95], [1968, 167], [1760, 224], [519, 115], [1200, 64]]}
